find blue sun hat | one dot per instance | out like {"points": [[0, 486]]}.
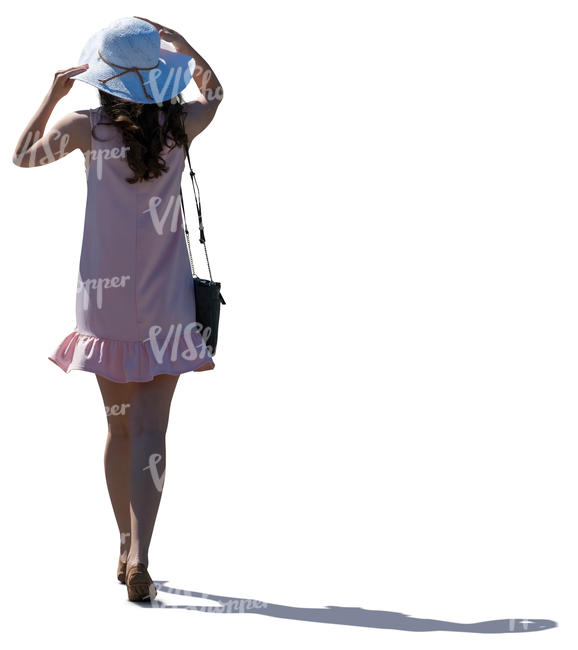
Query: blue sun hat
{"points": [[128, 59]]}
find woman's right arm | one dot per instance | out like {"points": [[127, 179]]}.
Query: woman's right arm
{"points": [[201, 111]]}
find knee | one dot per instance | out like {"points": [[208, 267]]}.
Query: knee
{"points": [[143, 423], [119, 428], [144, 430]]}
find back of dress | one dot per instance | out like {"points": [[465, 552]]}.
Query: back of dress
{"points": [[135, 310]]}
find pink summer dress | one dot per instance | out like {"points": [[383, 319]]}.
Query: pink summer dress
{"points": [[135, 306]]}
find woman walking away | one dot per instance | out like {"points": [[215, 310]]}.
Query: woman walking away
{"points": [[135, 312]]}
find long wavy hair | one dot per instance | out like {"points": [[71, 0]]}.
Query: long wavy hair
{"points": [[142, 133]]}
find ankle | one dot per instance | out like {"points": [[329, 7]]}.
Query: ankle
{"points": [[131, 560], [124, 546]]}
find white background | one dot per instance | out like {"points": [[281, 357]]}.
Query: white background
{"points": [[389, 196]]}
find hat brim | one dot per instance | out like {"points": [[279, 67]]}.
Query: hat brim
{"points": [[167, 80]]}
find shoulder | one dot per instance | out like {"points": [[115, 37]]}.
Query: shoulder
{"points": [[77, 118]]}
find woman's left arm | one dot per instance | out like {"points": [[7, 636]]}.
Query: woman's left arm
{"points": [[34, 148]]}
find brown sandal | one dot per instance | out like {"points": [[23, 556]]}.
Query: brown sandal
{"points": [[139, 584], [121, 571]]}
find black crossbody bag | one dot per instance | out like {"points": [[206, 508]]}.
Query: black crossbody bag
{"points": [[207, 293]]}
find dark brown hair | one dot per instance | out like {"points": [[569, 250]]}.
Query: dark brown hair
{"points": [[142, 133]]}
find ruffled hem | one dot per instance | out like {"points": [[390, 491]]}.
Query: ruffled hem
{"points": [[125, 361]]}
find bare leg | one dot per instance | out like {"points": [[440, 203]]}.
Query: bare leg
{"points": [[116, 397], [148, 422]]}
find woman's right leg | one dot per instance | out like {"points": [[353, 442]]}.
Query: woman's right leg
{"points": [[117, 400]]}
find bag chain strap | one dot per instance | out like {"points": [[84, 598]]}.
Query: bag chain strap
{"points": [[201, 228]]}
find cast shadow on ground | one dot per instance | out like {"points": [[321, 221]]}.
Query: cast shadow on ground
{"points": [[345, 615]]}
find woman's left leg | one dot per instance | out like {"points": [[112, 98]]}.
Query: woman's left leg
{"points": [[149, 417]]}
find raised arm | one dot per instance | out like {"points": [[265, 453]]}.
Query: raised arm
{"points": [[34, 147], [200, 111]]}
